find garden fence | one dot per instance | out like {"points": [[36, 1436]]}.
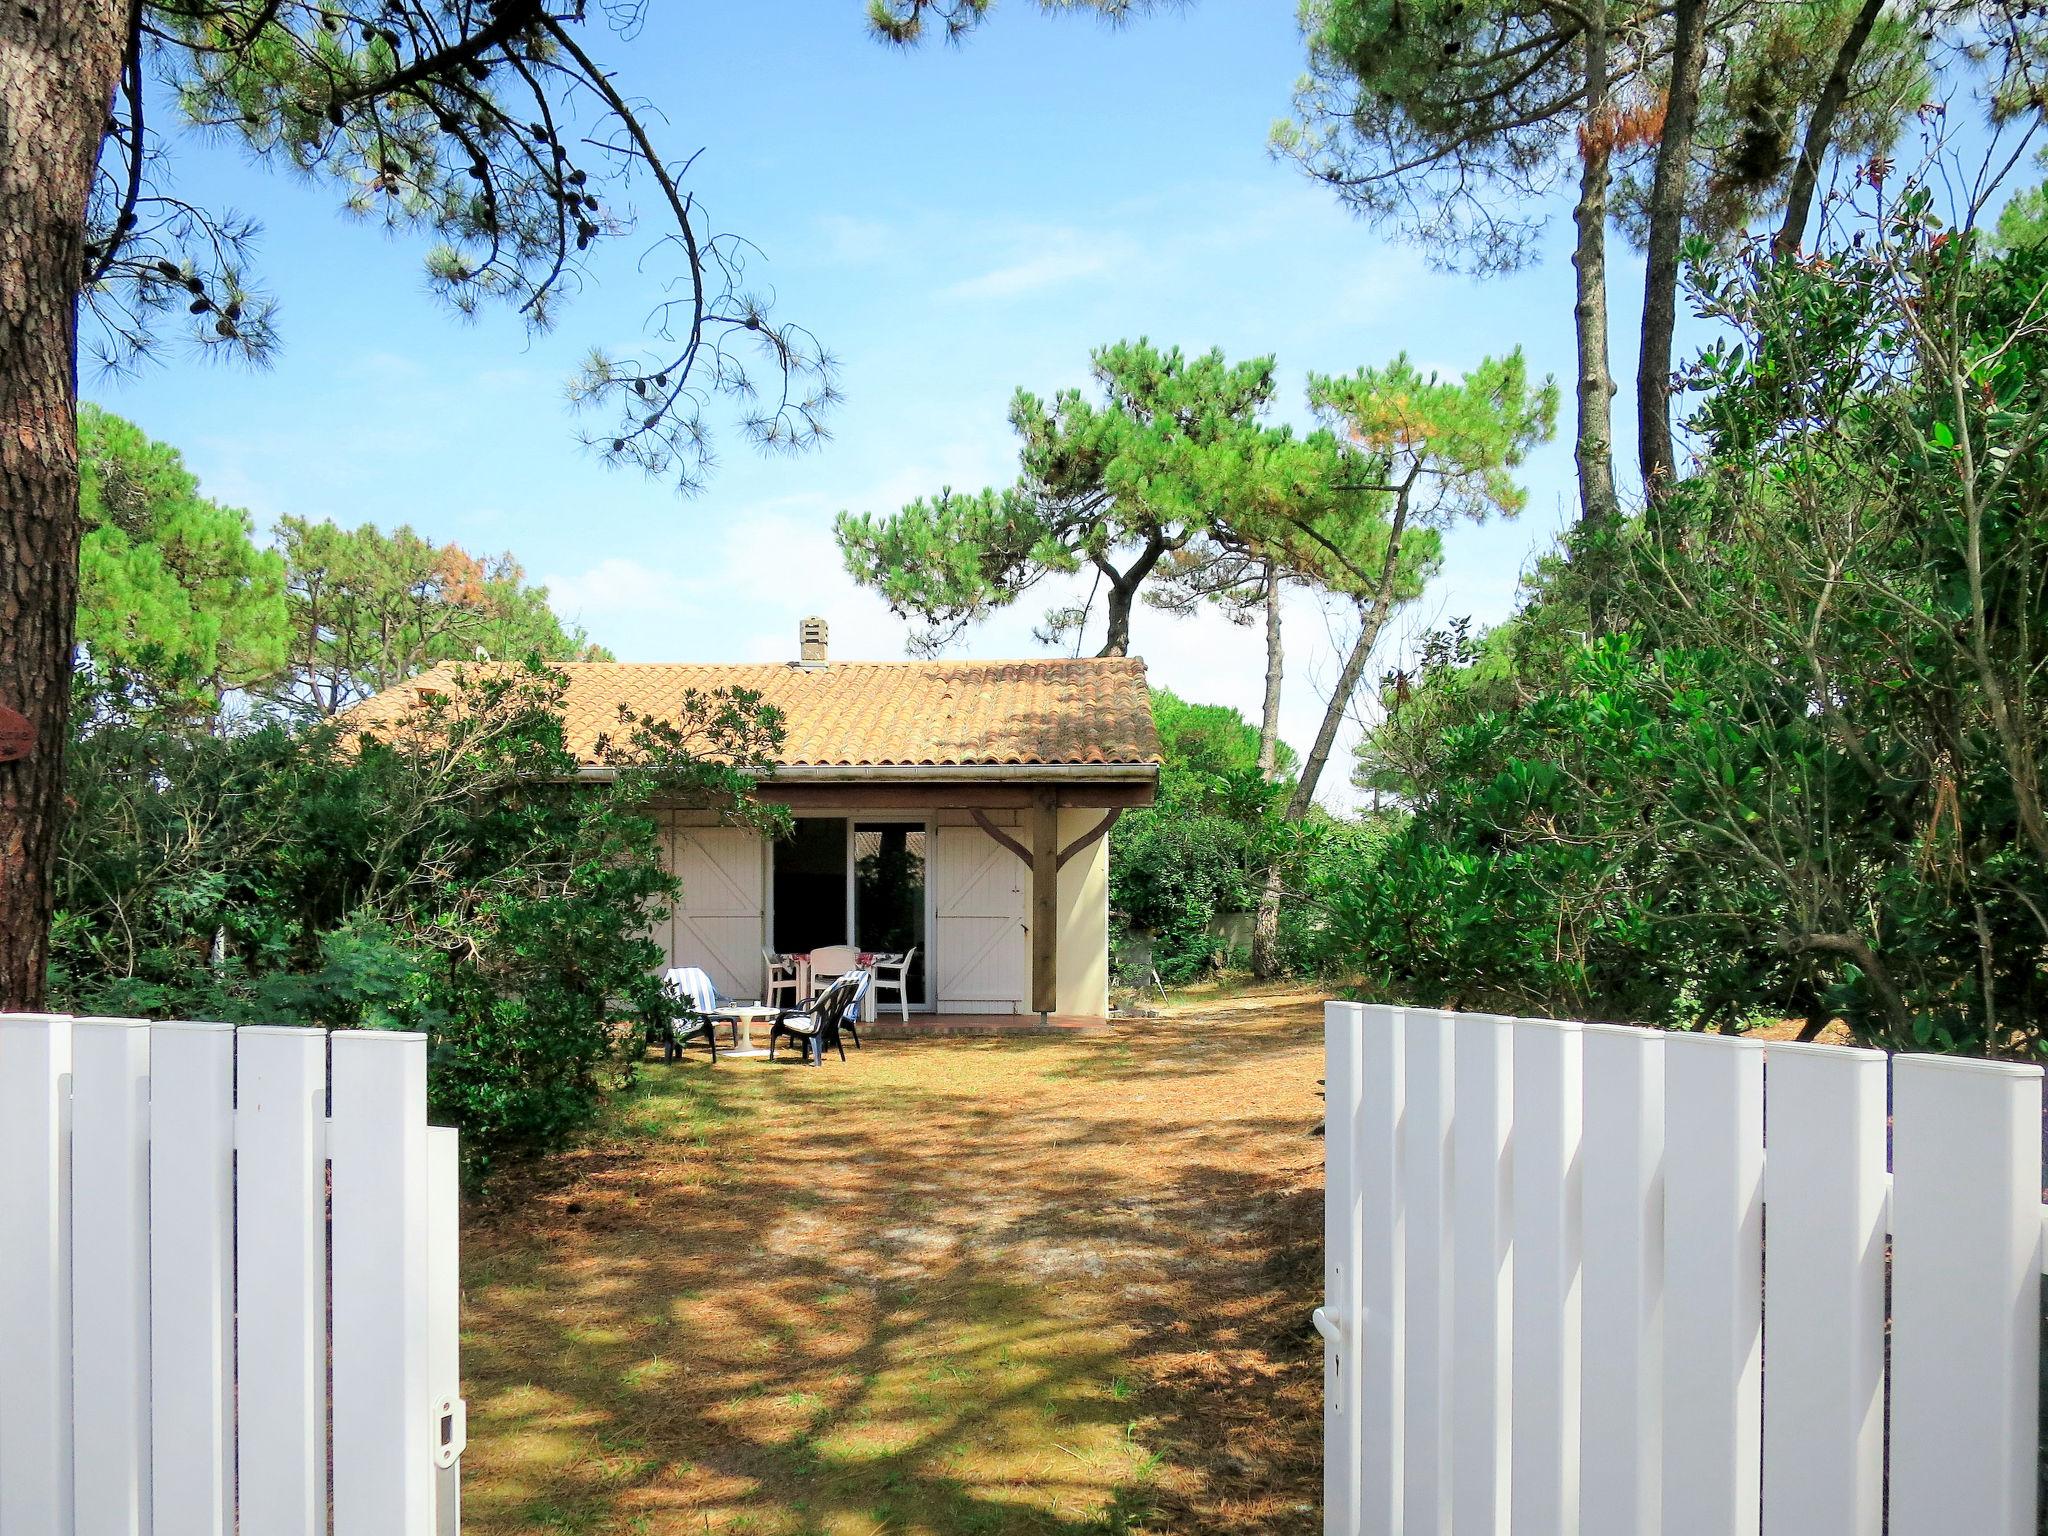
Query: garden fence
{"points": [[228, 1294], [1611, 1281]]}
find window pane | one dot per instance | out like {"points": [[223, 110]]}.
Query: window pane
{"points": [[810, 885], [889, 893]]}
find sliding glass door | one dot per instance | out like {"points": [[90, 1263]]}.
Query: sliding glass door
{"points": [[889, 890], [863, 882]]}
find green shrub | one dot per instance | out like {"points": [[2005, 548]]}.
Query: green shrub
{"points": [[452, 877], [1201, 850]]}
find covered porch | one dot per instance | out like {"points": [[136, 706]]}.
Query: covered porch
{"points": [[997, 876]]}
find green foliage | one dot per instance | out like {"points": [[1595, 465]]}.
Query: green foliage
{"points": [[176, 603], [2023, 220], [1175, 450], [1460, 440], [1213, 747], [1200, 850], [453, 876], [1795, 768], [370, 609]]}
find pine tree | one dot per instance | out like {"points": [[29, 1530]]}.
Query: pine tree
{"points": [[491, 131], [1175, 450]]}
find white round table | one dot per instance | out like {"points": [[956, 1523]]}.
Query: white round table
{"points": [[745, 1017]]}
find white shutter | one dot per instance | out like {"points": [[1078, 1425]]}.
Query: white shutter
{"points": [[980, 953], [721, 919]]}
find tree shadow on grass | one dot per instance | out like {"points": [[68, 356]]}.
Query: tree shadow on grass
{"points": [[861, 1302]]}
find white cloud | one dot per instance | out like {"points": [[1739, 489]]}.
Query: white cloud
{"points": [[854, 240], [1046, 271], [616, 590]]}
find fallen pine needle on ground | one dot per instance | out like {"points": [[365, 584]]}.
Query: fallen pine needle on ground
{"points": [[947, 1286]]}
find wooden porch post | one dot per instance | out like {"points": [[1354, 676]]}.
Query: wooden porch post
{"points": [[1045, 902]]}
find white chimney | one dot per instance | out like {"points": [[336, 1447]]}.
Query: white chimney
{"points": [[813, 642]]}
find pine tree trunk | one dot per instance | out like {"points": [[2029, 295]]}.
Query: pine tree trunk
{"points": [[1266, 925], [1668, 185], [1373, 614], [1820, 130], [1123, 591], [1269, 711], [1372, 618], [1117, 642], [1595, 448], [59, 60]]}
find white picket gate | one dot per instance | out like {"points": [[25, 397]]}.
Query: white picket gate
{"points": [[1547, 1311], [228, 1293]]}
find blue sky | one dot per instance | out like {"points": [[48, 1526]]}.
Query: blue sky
{"points": [[952, 222]]}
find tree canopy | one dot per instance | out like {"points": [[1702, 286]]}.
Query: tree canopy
{"points": [[1452, 122], [1440, 451], [1175, 449], [177, 603], [491, 134], [370, 609], [1796, 771]]}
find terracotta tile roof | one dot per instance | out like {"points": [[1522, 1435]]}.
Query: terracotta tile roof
{"points": [[870, 714]]}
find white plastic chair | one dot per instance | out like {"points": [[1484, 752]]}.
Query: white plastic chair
{"points": [[892, 973], [785, 975], [829, 962]]}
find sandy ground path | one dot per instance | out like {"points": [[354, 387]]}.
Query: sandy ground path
{"points": [[948, 1286]]}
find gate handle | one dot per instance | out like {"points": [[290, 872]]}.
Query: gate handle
{"points": [[1331, 1330]]}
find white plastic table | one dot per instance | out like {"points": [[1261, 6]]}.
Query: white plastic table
{"points": [[745, 1016]]}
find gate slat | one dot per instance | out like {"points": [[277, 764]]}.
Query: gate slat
{"points": [[1824, 1309], [281, 1279], [1621, 1466], [1482, 1271], [1545, 1456], [110, 1275], [1342, 1027], [444, 1323], [1966, 1285], [383, 1437], [35, 1273], [1713, 1289], [1426, 1342], [191, 1278], [1376, 1154]]}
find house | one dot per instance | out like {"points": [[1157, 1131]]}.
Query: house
{"points": [[959, 806]]}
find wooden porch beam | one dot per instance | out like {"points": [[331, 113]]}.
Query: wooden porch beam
{"points": [[947, 796], [981, 820], [1045, 904], [1094, 834]]}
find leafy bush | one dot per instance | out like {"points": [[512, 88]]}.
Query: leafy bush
{"points": [[1202, 848], [451, 875], [1775, 743]]}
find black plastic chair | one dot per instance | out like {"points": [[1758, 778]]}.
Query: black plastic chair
{"points": [[687, 1022], [849, 1015], [817, 1024]]}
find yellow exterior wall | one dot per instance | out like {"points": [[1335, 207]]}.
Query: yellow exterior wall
{"points": [[1084, 919]]}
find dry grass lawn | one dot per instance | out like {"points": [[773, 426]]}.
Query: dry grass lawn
{"points": [[949, 1286]]}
